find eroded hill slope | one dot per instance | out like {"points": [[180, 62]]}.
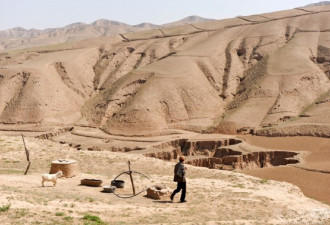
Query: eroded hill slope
{"points": [[268, 73]]}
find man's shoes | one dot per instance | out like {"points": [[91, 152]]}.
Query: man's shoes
{"points": [[183, 201], [172, 197]]}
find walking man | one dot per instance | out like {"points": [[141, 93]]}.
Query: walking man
{"points": [[180, 177]]}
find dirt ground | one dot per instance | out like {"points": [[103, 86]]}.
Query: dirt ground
{"points": [[313, 183], [214, 196]]}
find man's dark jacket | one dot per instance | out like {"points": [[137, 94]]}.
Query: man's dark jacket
{"points": [[177, 178]]}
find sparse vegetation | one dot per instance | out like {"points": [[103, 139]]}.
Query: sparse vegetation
{"points": [[239, 185], [21, 213], [11, 171], [68, 218], [4, 208], [59, 214], [92, 218], [263, 181], [90, 199]]}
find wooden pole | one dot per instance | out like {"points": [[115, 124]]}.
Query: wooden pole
{"points": [[27, 156], [130, 174]]}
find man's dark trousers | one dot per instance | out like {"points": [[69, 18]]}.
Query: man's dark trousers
{"points": [[181, 185]]}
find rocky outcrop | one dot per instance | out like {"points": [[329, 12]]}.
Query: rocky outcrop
{"points": [[237, 160], [198, 147], [214, 155], [222, 152], [203, 146], [165, 155], [175, 143], [211, 163]]}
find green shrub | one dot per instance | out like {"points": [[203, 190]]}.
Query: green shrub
{"points": [[21, 213], [68, 218], [5, 208], [263, 181], [93, 218], [59, 214]]}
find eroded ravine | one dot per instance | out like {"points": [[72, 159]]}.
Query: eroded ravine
{"points": [[219, 154]]}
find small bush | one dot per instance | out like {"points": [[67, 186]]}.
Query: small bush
{"points": [[240, 185], [263, 181], [21, 213], [5, 208], [59, 214], [93, 218], [68, 218]]}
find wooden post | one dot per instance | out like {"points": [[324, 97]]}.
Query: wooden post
{"points": [[27, 156], [130, 174]]}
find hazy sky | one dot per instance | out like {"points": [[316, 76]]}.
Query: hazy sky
{"points": [[41, 14]]}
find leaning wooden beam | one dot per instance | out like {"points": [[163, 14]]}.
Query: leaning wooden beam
{"points": [[130, 175], [27, 156]]}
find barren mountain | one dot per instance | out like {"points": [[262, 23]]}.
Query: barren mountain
{"points": [[187, 20], [268, 74], [18, 38]]}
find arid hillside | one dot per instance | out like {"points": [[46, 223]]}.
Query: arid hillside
{"points": [[267, 74]]}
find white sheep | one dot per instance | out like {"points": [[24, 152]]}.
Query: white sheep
{"points": [[51, 177]]}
